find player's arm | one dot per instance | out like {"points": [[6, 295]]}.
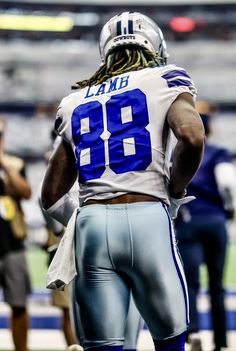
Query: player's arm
{"points": [[60, 175], [187, 126]]}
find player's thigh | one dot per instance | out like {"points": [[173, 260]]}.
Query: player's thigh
{"points": [[158, 278], [103, 305], [102, 294], [134, 325]]}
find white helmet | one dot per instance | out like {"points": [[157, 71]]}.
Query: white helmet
{"points": [[132, 28]]}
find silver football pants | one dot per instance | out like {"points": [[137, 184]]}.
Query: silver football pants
{"points": [[134, 324], [123, 248]]}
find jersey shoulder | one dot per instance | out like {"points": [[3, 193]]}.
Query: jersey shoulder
{"points": [[174, 78], [69, 99], [177, 78]]}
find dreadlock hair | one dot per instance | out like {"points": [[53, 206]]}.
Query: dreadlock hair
{"points": [[121, 60]]}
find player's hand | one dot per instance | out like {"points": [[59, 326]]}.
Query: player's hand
{"points": [[176, 203]]}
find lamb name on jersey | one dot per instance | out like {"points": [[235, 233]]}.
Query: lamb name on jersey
{"points": [[118, 130], [113, 84]]}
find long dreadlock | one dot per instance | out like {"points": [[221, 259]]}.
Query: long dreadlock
{"points": [[120, 61]]}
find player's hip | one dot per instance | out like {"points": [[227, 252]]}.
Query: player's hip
{"points": [[121, 236]]}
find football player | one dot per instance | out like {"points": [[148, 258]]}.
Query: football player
{"points": [[116, 129]]}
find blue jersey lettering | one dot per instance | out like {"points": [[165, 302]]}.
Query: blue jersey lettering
{"points": [[108, 87]]}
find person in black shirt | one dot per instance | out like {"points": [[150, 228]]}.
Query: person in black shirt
{"points": [[14, 275]]}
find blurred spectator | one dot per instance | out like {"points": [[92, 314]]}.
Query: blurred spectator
{"points": [[202, 233], [14, 275], [60, 299]]}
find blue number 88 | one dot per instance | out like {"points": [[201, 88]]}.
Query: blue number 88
{"points": [[129, 144]]}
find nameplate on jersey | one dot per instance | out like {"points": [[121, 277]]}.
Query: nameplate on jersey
{"points": [[114, 84]]}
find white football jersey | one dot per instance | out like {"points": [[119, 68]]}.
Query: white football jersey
{"points": [[119, 132]]}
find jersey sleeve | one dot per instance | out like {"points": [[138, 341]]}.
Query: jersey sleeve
{"points": [[178, 80]]}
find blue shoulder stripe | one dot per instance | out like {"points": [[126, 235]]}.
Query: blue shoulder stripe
{"points": [[178, 82], [177, 78], [175, 73]]}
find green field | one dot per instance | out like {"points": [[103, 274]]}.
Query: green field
{"points": [[37, 260]]}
